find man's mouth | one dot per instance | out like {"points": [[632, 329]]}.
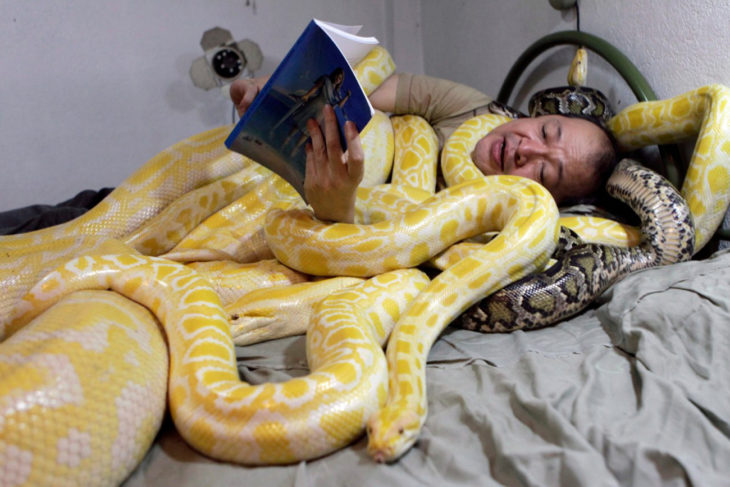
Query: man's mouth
{"points": [[501, 155], [498, 153]]}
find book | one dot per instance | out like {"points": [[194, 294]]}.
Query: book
{"points": [[316, 71]]}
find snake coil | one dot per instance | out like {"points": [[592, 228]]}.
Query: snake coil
{"points": [[585, 270]]}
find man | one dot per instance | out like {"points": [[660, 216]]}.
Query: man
{"points": [[570, 156]]}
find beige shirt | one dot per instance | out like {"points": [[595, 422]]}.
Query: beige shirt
{"points": [[445, 104]]}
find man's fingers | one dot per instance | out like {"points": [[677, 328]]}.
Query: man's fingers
{"points": [[355, 154], [316, 153], [249, 96], [310, 168], [332, 135], [315, 134], [327, 166], [236, 92], [242, 94]]}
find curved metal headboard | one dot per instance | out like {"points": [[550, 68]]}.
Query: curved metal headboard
{"points": [[670, 154]]}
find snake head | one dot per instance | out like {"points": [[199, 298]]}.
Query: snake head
{"points": [[578, 68], [392, 431]]}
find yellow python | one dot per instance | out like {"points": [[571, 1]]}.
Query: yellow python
{"points": [[188, 190], [705, 112]]}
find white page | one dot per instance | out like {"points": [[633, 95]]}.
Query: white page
{"points": [[353, 47]]}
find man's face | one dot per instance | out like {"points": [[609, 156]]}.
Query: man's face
{"points": [[553, 150]]}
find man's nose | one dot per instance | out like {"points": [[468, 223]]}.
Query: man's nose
{"points": [[528, 150]]}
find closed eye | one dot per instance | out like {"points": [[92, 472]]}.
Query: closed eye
{"points": [[544, 132]]}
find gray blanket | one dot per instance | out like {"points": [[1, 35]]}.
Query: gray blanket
{"points": [[635, 392]]}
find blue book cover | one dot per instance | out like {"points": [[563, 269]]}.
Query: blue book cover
{"points": [[315, 72]]}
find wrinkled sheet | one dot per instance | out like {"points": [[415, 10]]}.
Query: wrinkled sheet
{"points": [[635, 392]]}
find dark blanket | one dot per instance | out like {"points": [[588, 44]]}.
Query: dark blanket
{"points": [[34, 217]]}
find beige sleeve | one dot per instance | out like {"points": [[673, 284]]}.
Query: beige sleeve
{"points": [[445, 104]]}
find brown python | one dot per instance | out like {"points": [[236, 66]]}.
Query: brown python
{"points": [[586, 270]]}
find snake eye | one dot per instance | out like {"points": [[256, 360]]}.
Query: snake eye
{"points": [[401, 430]]}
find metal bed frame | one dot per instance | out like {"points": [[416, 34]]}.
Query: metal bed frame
{"points": [[674, 166]]}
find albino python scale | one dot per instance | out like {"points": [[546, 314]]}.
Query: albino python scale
{"points": [[84, 373]]}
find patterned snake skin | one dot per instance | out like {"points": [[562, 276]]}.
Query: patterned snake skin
{"points": [[585, 270]]}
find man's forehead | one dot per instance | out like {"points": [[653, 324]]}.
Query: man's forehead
{"points": [[582, 139]]}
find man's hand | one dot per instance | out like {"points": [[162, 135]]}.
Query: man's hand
{"points": [[332, 177], [244, 90]]}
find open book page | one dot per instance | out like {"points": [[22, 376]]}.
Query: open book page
{"points": [[352, 46]]}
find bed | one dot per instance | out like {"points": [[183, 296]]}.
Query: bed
{"points": [[634, 391]]}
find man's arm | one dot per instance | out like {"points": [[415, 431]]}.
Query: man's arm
{"points": [[383, 98]]}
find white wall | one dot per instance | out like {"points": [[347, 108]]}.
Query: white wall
{"points": [[677, 45], [91, 90], [476, 41]]}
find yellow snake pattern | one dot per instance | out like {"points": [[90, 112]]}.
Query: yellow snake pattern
{"points": [[416, 153], [704, 112], [50, 371], [303, 418], [159, 240]]}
